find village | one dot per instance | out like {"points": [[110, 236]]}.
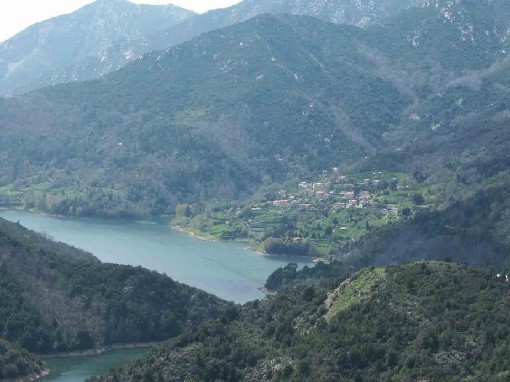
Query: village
{"points": [[321, 212], [345, 192]]}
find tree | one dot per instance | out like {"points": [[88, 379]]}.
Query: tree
{"points": [[418, 198]]}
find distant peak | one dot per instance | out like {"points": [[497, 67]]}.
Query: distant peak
{"points": [[112, 2]]}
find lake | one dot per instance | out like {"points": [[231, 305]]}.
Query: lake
{"points": [[77, 369], [226, 269]]}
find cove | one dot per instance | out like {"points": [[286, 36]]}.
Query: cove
{"points": [[77, 369], [226, 269]]}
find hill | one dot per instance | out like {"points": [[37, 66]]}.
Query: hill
{"points": [[15, 362], [405, 323], [97, 39], [57, 299]]}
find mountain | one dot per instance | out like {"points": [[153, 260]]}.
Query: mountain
{"points": [[412, 322], [205, 119], [96, 39], [55, 298], [272, 99], [455, 128], [354, 12]]}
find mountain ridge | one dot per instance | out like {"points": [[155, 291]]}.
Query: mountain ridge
{"points": [[96, 39], [406, 323], [341, 89], [336, 11], [119, 51], [200, 109]]}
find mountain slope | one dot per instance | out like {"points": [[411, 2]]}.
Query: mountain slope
{"points": [[273, 98], [166, 129], [452, 60], [96, 39], [55, 298], [405, 323], [337, 11]]}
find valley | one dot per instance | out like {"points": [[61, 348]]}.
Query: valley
{"points": [[363, 145]]}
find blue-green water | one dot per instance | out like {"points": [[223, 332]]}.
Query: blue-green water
{"points": [[226, 269], [77, 369]]}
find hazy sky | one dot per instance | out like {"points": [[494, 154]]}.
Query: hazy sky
{"points": [[16, 15]]}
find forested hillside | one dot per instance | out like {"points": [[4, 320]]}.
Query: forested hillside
{"points": [[55, 299], [411, 322], [165, 129], [474, 231], [456, 123], [67, 48], [15, 362], [271, 99]]}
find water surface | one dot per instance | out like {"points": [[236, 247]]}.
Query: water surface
{"points": [[226, 269], [77, 369]]}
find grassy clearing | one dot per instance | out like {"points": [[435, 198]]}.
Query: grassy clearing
{"points": [[354, 290]]}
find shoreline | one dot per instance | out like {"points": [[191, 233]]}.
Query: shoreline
{"points": [[101, 350], [192, 233], [266, 291], [30, 377], [251, 244], [253, 247], [258, 252]]}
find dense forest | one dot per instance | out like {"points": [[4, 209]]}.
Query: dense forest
{"points": [[402, 323], [15, 361]]}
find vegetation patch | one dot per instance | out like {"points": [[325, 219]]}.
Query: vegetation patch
{"points": [[354, 290]]}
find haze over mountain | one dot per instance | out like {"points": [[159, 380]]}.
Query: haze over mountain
{"points": [[106, 35], [96, 39], [360, 13]]}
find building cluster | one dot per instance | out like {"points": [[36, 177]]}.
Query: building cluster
{"points": [[339, 190]]}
